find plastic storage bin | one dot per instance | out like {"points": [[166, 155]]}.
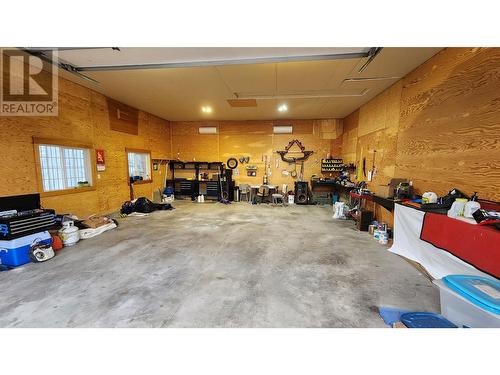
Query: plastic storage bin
{"points": [[481, 291], [464, 308], [16, 252]]}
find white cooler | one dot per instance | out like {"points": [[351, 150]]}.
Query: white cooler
{"points": [[466, 307]]}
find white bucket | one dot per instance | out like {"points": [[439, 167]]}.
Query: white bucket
{"points": [[383, 238]]}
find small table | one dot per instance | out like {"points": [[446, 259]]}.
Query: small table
{"points": [[255, 188]]}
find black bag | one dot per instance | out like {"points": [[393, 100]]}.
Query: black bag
{"points": [[127, 208], [143, 205], [444, 203]]}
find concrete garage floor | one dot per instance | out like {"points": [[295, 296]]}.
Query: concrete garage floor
{"points": [[211, 265]]}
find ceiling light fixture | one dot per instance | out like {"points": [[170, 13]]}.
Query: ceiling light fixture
{"points": [[283, 108], [206, 109]]}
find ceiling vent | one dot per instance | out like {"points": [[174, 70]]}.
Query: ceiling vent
{"points": [[239, 103], [207, 130], [283, 129]]}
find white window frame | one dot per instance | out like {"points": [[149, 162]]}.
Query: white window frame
{"points": [[65, 169], [147, 177]]}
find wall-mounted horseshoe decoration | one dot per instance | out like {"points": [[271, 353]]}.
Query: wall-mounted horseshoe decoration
{"points": [[291, 159]]}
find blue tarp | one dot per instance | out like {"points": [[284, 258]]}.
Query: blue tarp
{"points": [[391, 315]]}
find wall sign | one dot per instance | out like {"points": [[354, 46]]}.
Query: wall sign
{"points": [[99, 160]]}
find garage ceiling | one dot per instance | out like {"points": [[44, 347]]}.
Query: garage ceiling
{"points": [[175, 83]]}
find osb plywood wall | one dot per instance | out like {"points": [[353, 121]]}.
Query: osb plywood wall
{"points": [[370, 133], [449, 131], [377, 133], [254, 139], [439, 126], [83, 117]]}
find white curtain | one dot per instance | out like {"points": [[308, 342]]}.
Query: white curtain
{"points": [[438, 263]]}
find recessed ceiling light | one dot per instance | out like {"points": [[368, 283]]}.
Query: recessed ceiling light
{"points": [[283, 108], [206, 109]]}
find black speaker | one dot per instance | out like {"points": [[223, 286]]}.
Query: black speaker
{"points": [[301, 192], [228, 185], [228, 190]]}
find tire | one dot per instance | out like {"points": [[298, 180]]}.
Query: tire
{"points": [[232, 163]]}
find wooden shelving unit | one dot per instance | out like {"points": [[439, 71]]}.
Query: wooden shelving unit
{"points": [[331, 165]]}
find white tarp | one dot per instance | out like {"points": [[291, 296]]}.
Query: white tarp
{"points": [[438, 263], [92, 232]]}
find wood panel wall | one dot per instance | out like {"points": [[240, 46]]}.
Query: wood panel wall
{"points": [[449, 132], [254, 139], [83, 116], [439, 126], [378, 146], [350, 138]]}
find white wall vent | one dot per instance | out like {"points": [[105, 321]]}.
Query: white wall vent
{"points": [[207, 130], [283, 129]]}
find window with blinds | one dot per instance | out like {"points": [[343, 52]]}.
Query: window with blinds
{"points": [[64, 167]]}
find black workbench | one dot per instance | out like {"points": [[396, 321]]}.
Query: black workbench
{"points": [[387, 203], [331, 183], [191, 187]]}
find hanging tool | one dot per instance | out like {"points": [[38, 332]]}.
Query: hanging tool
{"points": [[359, 169], [294, 172], [371, 172], [265, 171]]}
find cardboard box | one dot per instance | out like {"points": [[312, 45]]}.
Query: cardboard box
{"points": [[96, 221], [387, 191]]}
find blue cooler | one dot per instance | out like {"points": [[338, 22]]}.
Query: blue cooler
{"points": [[16, 252], [470, 301]]}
